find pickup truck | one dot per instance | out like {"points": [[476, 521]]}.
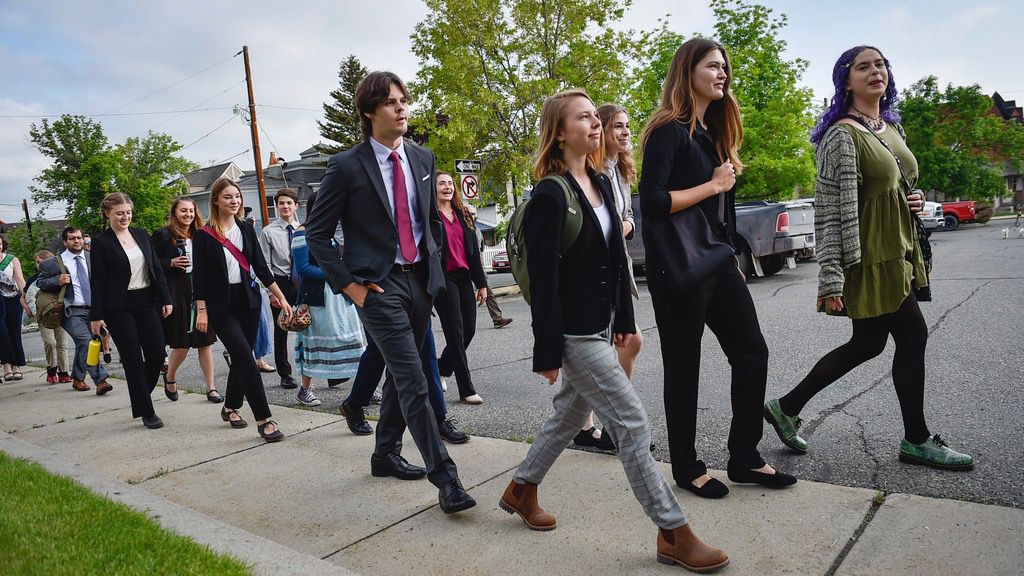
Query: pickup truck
{"points": [[932, 217], [772, 235], [957, 212]]}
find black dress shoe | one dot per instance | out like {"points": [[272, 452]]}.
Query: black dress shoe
{"points": [[395, 465], [451, 434], [289, 383], [172, 396], [332, 382], [711, 489], [454, 498], [355, 418], [153, 422], [777, 480]]}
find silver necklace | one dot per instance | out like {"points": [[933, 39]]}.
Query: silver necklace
{"points": [[876, 123]]}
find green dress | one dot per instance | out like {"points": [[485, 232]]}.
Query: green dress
{"points": [[891, 262]]}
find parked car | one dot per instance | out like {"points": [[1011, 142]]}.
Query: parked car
{"points": [[932, 217], [772, 235], [956, 212], [500, 262]]}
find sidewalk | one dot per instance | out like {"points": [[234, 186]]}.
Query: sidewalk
{"points": [[308, 505]]}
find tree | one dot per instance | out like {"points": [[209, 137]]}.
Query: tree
{"points": [[777, 117], [24, 243], [341, 122], [958, 144], [487, 65], [86, 168], [645, 94]]}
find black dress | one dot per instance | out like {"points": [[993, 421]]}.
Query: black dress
{"points": [[179, 329]]}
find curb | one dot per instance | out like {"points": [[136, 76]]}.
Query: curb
{"points": [[506, 290], [266, 558]]}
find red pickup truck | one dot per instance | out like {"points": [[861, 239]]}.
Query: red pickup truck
{"points": [[957, 212]]}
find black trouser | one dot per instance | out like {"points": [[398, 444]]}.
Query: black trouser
{"points": [[11, 350], [456, 307], [139, 336], [397, 320], [870, 335], [237, 331], [723, 303], [371, 368], [281, 351]]}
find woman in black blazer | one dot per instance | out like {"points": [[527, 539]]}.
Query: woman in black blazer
{"points": [[227, 298], [456, 306], [129, 295], [690, 161]]}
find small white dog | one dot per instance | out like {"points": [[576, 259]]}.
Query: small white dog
{"points": [[1006, 232], [1020, 233]]}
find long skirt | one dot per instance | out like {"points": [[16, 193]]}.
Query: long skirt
{"points": [[263, 340], [333, 343]]}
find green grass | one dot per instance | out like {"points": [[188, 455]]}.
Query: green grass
{"points": [[50, 525]]}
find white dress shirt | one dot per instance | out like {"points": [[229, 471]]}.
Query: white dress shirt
{"points": [[383, 154], [69, 263]]}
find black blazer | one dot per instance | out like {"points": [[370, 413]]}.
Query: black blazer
{"points": [[675, 161], [165, 250], [353, 192], [575, 292], [476, 268], [210, 271], [111, 272]]}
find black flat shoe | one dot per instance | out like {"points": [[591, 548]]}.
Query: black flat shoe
{"points": [[153, 422], [275, 436], [711, 489], [777, 480], [172, 396], [586, 438], [225, 415], [332, 382], [215, 399]]}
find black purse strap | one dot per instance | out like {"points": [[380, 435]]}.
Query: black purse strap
{"points": [[899, 163]]}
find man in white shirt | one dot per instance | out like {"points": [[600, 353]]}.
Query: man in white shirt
{"points": [[77, 303]]}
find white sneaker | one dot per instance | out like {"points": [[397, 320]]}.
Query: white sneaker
{"points": [[475, 399], [444, 383]]}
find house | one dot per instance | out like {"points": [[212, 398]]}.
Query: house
{"points": [[1010, 112]]}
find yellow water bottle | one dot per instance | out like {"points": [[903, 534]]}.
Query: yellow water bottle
{"points": [[93, 359]]}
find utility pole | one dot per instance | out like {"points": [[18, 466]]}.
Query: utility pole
{"points": [[255, 140], [28, 220]]}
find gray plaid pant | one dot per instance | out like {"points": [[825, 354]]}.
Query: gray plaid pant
{"points": [[593, 379]]}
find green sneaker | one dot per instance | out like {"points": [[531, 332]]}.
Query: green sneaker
{"points": [[785, 426], [936, 453]]}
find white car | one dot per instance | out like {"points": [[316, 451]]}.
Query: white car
{"points": [[931, 216]]}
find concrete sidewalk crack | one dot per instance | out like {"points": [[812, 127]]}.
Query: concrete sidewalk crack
{"points": [[876, 503]]}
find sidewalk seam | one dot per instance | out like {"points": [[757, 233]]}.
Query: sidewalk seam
{"points": [[876, 503]]}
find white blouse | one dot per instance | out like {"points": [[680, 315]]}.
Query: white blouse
{"points": [[234, 235], [140, 274]]}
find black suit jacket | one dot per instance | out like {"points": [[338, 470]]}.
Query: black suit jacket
{"points": [[111, 272], [210, 271], [575, 292], [476, 268], [353, 192]]}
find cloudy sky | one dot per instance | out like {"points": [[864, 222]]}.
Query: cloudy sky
{"points": [[170, 67]]}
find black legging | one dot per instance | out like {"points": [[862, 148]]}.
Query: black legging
{"points": [[237, 331], [870, 335], [456, 307]]}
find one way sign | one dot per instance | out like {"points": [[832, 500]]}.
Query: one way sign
{"points": [[467, 166]]}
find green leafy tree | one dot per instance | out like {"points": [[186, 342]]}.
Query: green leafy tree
{"points": [[341, 119], [24, 243], [85, 168], [487, 65], [649, 79], [777, 113], [960, 147]]}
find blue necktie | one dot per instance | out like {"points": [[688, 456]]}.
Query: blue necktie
{"points": [[83, 280], [293, 273]]}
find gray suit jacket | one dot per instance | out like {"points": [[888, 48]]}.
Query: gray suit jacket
{"points": [[49, 277], [353, 192]]}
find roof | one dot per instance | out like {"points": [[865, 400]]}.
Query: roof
{"points": [[206, 176]]}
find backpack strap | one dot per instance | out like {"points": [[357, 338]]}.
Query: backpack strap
{"points": [[573, 213]]}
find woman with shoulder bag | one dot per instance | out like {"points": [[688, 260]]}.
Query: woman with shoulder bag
{"points": [[228, 261], [129, 297], [869, 253], [687, 194], [582, 311], [173, 246]]}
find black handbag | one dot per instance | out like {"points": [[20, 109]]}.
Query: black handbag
{"points": [[924, 293], [692, 253]]}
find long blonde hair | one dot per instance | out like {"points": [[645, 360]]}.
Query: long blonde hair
{"points": [[177, 230], [679, 103], [219, 186], [550, 157], [625, 161]]}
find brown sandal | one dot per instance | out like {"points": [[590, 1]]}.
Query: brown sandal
{"points": [[225, 415]]}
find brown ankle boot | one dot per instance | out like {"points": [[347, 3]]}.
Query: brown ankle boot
{"points": [[681, 546], [522, 499]]}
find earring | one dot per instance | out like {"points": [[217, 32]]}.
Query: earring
{"points": [[561, 145]]}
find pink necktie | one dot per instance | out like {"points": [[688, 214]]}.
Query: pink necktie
{"points": [[402, 218]]}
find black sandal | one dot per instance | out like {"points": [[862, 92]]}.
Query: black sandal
{"points": [[172, 396], [275, 436], [225, 415], [215, 399]]}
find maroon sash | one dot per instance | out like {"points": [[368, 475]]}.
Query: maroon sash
{"points": [[233, 250]]}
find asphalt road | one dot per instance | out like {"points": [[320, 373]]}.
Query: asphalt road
{"points": [[974, 389]]}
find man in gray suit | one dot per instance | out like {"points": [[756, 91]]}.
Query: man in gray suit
{"points": [[382, 192], [77, 303]]}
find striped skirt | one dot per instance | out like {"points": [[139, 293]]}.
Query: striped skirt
{"points": [[333, 343]]}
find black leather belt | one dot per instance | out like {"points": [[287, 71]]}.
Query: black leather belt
{"points": [[82, 307], [404, 267]]}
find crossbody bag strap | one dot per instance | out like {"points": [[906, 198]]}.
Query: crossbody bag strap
{"points": [[899, 163], [6, 262], [230, 247], [64, 287]]}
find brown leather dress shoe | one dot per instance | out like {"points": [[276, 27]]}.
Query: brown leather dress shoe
{"points": [[103, 387], [79, 385], [681, 546], [522, 499]]}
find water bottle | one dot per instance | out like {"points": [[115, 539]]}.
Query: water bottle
{"points": [[93, 358]]}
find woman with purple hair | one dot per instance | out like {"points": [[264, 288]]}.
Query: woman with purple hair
{"points": [[869, 253]]}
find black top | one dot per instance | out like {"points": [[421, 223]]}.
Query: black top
{"points": [[111, 272], [476, 268], [163, 240], [574, 293], [210, 271]]}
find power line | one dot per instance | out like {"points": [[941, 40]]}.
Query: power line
{"points": [[265, 133], [289, 108], [203, 137], [173, 84], [197, 104], [153, 113], [246, 151]]}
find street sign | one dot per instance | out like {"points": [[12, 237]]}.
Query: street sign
{"points": [[470, 186], [467, 166]]}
